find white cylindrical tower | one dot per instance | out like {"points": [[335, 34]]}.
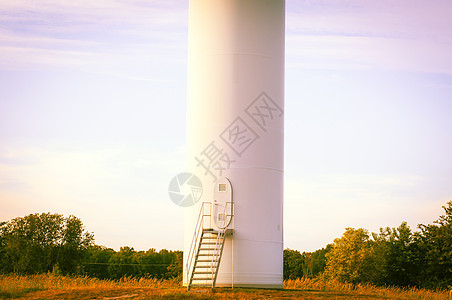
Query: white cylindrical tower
{"points": [[235, 129]]}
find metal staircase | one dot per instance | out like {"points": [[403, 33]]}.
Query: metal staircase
{"points": [[206, 249], [208, 257]]}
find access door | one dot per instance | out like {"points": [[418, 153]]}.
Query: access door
{"points": [[222, 203]]}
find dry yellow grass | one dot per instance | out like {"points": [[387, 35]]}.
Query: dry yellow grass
{"points": [[367, 290], [46, 286]]}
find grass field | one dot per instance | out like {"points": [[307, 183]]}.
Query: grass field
{"points": [[47, 286]]}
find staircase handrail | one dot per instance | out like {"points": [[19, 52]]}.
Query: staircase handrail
{"points": [[198, 229], [218, 247]]}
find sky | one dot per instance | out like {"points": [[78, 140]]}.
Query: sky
{"points": [[93, 111]]}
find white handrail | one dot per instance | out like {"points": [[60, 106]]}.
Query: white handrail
{"points": [[198, 229], [219, 236]]}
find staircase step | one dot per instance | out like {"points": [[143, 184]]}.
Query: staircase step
{"points": [[208, 243], [205, 266], [208, 254], [202, 273], [206, 260], [202, 279]]}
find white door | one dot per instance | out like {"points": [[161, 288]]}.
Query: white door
{"points": [[222, 202]]}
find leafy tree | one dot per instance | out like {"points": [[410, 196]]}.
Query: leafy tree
{"points": [[307, 264], [175, 269], [38, 242], [97, 261], [318, 261], [3, 259], [399, 250], [123, 263], [128, 262], [74, 243], [353, 258], [165, 259], [293, 264], [434, 252], [396, 256]]}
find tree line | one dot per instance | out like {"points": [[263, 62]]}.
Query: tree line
{"points": [[393, 256], [105, 263], [40, 243]]}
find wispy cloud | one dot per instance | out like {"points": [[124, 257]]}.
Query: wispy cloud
{"points": [[97, 36], [103, 12], [395, 35], [330, 34], [386, 18]]}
